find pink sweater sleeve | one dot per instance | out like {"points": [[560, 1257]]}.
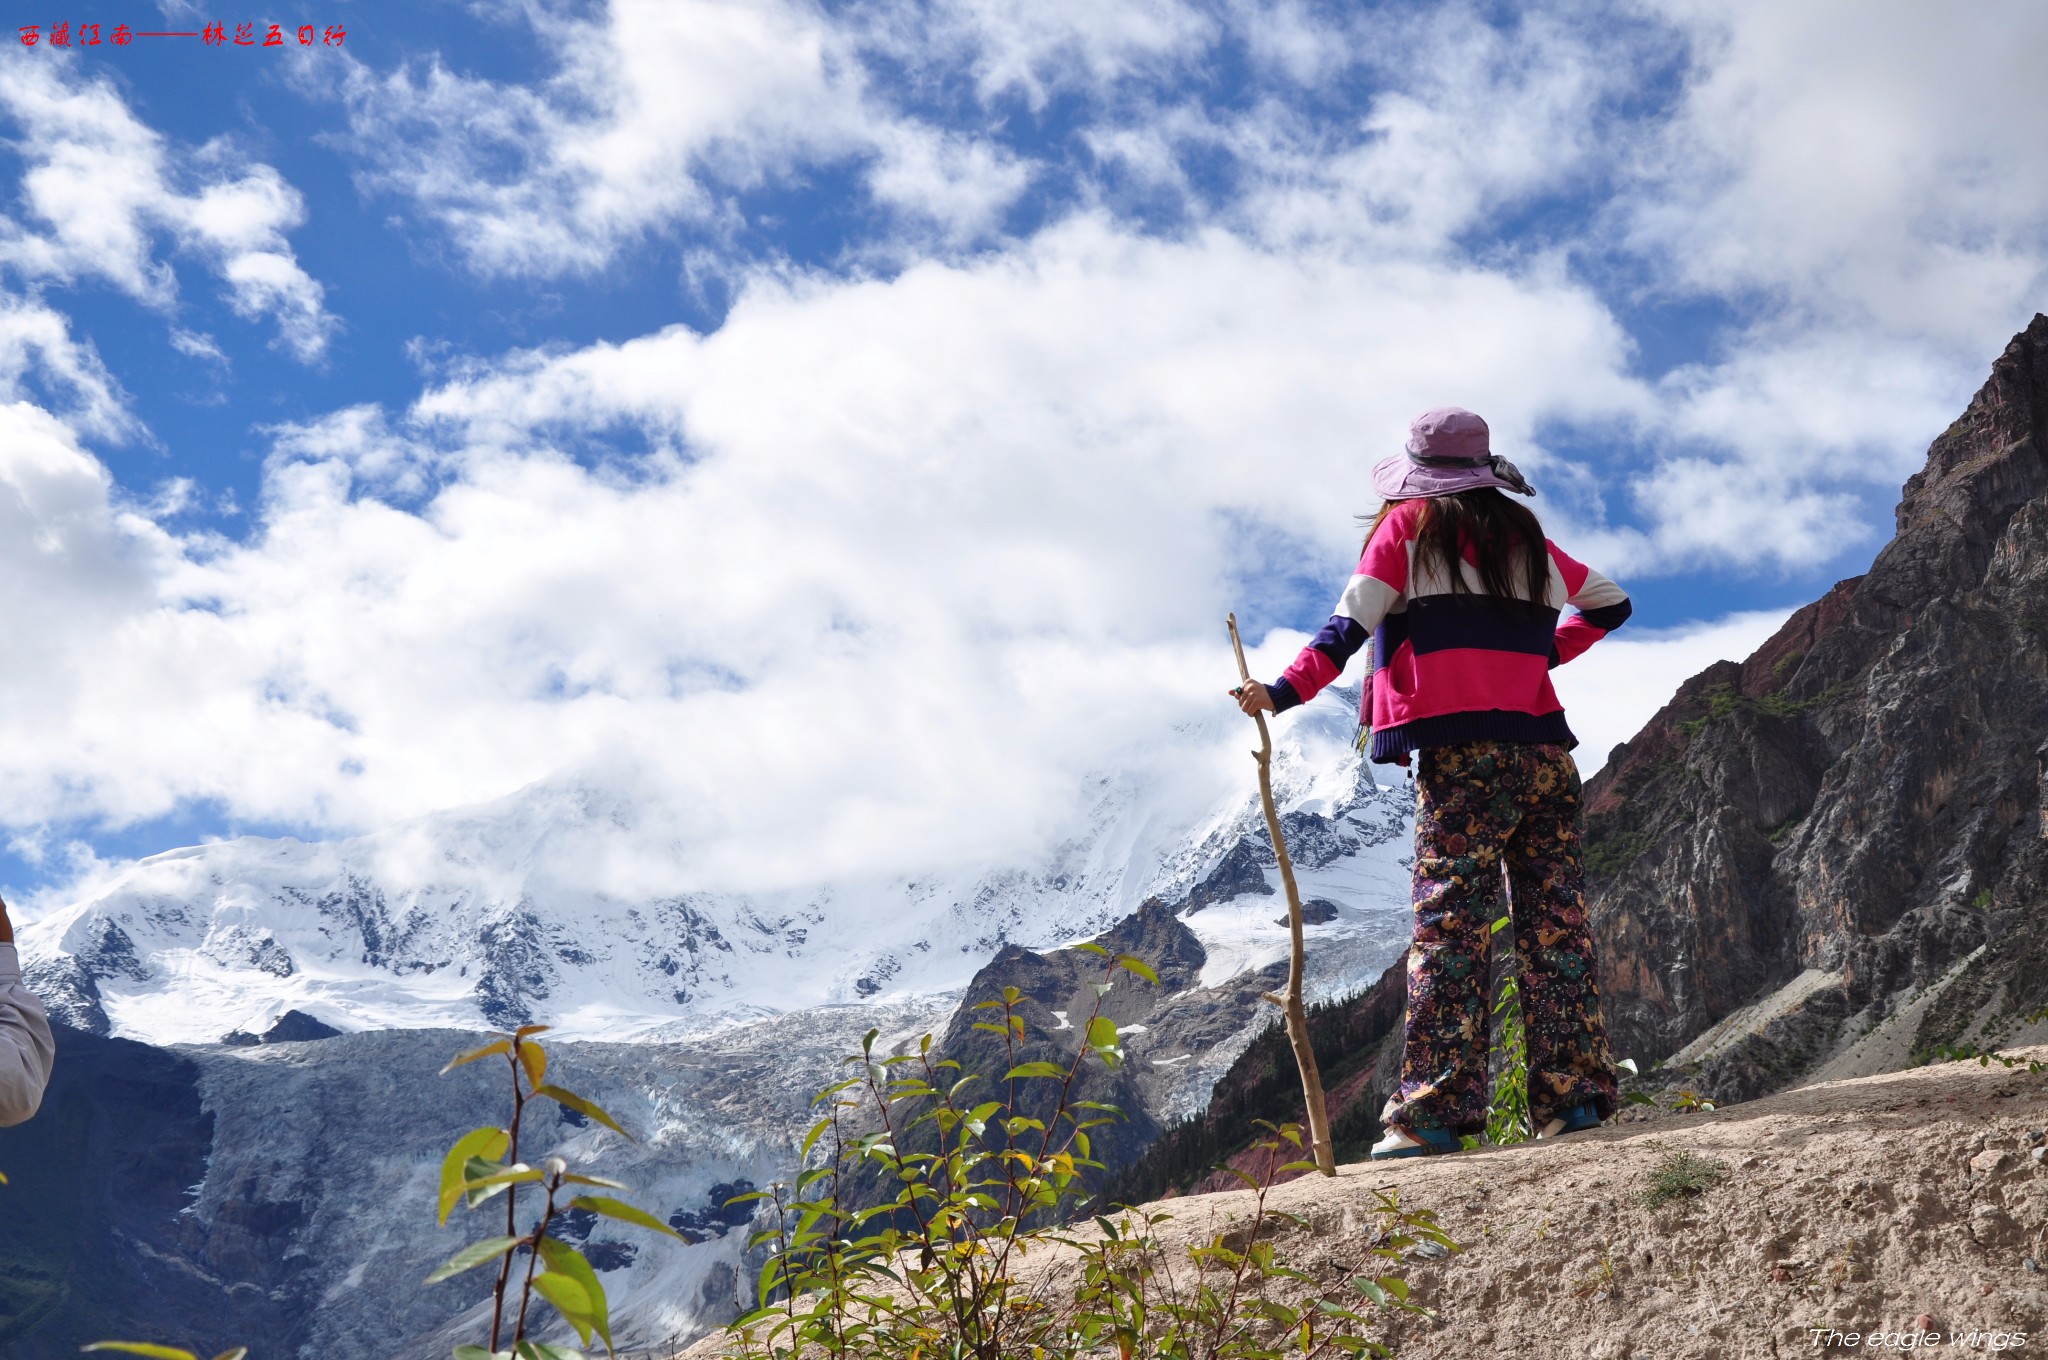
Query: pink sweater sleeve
{"points": [[1603, 607], [1374, 588]]}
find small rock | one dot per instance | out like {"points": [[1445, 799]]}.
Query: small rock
{"points": [[1432, 1251], [2030, 1263], [1990, 1162], [1925, 1322], [2039, 1154]]}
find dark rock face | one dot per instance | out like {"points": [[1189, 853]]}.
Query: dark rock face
{"points": [[103, 1166], [293, 1027], [1161, 1027], [1239, 873], [1357, 1042], [1862, 796], [69, 993], [1317, 911]]}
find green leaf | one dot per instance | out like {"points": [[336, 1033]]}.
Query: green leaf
{"points": [[1035, 1069], [583, 1107], [578, 1178], [1102, 1032], [142, 1348], [484, 1179], [1131, 963], [570, 1300], [565, 1261], [463, 1059], [234, 1353], [625, 1213], [977, 1119], [473, 1255], [467, 1351], [489, 1144]]}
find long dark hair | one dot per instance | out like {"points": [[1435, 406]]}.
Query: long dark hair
{"points": [[1505, 537]]}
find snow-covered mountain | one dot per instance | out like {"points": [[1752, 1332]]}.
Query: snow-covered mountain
{"points": [[542, 908], [286, 1197]]}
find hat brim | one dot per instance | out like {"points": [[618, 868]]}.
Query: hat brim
{"points": [[1399, 478]]}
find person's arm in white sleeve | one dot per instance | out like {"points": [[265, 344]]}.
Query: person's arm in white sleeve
{"points": [[27, 1049]]}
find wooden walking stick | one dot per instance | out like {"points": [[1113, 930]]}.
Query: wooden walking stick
{"points": [[1291, 1004]]}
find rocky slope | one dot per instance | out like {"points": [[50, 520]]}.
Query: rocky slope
{"points": [[1834, 851]]}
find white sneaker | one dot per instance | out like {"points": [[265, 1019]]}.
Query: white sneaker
{"points": [[1401, 1143]]}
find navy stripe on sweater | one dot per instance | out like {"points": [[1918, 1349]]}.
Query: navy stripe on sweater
{"points": [[1389, 744], [1440, 623]]}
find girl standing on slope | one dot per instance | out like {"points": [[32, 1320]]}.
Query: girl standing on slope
{"points": [[1461, 595]]}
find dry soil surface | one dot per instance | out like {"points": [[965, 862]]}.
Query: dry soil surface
{"points": [[1906, 1211]]}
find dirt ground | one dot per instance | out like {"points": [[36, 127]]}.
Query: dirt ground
{"points": [[1904, 1212], [1908, 1210]]}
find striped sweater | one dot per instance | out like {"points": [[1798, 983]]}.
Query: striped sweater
{"points": [[1450, 668]]}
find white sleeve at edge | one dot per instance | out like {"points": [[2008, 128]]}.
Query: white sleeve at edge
{"points": [[27, 1048], [1597, 592]]}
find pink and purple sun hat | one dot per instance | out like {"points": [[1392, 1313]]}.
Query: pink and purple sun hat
{"points": [[1448, 451]]}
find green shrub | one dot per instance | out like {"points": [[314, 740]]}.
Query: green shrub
{"points": [[1683, 1175], [1507, 1115], [933, 1270]]}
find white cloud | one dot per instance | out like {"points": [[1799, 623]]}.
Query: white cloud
{"points": [[908, 556], [1862, 183], [1877, 163], [1612, 690], [909, 553], [39, 357], [1043, 49], [658, 111], [100, 187]]}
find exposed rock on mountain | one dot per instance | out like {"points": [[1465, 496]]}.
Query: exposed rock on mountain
{"points": [[1853, 813]]}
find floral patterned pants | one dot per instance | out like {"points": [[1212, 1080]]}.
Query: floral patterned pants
{"points": [[1488, 813]]}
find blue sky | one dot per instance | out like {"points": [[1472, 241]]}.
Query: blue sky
{"points": [[516, 384]]}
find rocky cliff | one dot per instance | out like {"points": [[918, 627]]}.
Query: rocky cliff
{"points": [[1830, 856], [1825, 861]]}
